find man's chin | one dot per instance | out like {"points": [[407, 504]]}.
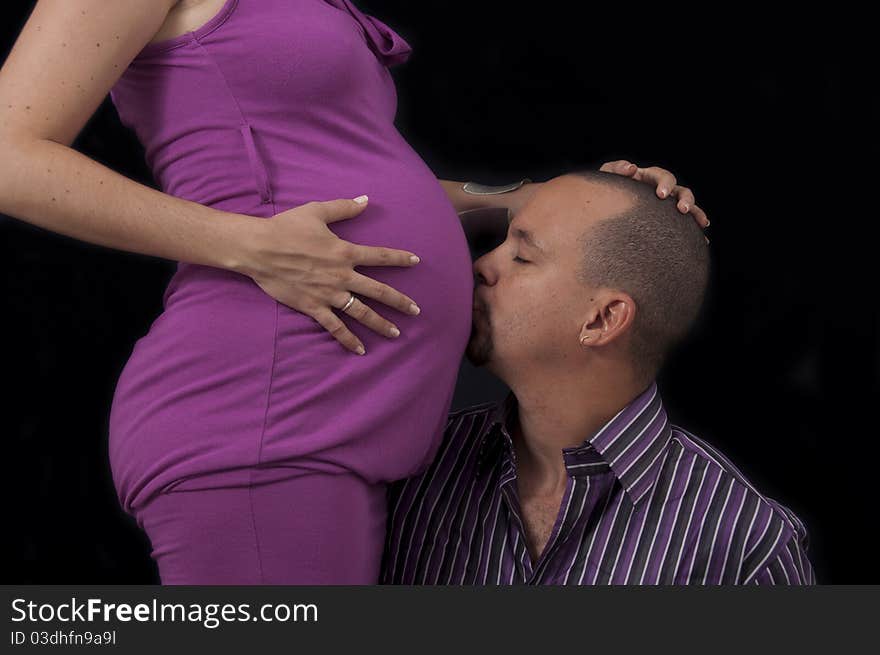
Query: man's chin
{"points": [[477, 352], [479, 347]]}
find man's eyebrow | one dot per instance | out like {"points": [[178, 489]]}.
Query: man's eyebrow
{"points": [[529, 238], [525, 235]]}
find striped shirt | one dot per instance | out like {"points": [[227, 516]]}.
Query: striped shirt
{"points": [[646, 503]]}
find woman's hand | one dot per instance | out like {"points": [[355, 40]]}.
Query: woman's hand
{"points": [[665, 183], [296, 259]]}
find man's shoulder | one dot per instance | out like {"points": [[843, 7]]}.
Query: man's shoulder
{"points": [[779, 523], [460, 435], [463, 427], [470, 421], [484, 408]]}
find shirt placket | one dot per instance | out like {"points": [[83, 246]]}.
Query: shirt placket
{"points": [[556, 536], [528, 573], [515, 530]]}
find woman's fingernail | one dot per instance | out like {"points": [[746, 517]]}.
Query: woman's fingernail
{"points": [[685, 206], [361, 200], [414, 259], [663, 192], [394, 332], [708, 223], [414, 309], [360, 350]]}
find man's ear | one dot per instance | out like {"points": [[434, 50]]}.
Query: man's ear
{"points": [[608, 319]]}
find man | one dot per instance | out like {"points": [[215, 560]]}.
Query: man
{"points": [[578, 477]]}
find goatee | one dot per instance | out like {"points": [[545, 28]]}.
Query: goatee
{"points": [[479, 347]]}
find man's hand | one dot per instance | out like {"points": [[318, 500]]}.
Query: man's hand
{"points": [[665, 183]]}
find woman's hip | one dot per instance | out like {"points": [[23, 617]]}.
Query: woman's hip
{"points": [[288, 527]]}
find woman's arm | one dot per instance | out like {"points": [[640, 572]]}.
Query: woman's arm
{"points": [[66, 59], [664, 182], [64, 63], [463, 201], [55, 187]]}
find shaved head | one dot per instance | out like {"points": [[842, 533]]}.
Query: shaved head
{"points": [[656, 255]]}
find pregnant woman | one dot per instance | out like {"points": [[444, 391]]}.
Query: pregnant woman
{"points": [[255, 426]]}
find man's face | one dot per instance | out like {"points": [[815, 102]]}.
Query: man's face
{"points": [[529, 305]]}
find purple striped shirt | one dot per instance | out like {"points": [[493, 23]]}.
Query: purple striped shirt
{"points": [[646, 502]]}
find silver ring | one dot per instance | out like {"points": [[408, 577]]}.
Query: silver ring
{"points": [[348, 304]]}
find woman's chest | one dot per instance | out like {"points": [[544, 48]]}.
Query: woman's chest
{"points": [[187, 16]]}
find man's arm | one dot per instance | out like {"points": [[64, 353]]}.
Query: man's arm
{"points": [[392, 494], [788, 566]]}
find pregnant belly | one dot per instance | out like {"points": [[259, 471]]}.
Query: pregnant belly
{"points": [[227, 378]]}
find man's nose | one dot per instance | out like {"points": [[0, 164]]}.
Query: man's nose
{"points": [[483, 273]]}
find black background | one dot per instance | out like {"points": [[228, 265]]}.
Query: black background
{"points": [[768, 120]]}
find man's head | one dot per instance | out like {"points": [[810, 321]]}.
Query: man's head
{"points": [[595, 268]]}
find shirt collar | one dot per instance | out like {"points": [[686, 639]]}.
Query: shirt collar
{"points": [[631, 444]]}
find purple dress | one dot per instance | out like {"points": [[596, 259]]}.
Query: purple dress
{"points": [[245, 440]]}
